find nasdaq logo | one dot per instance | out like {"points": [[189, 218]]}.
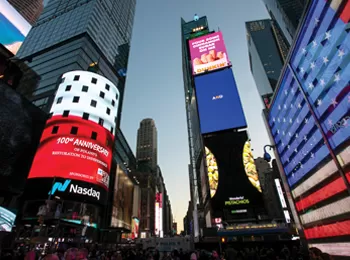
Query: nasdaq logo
{"points": [[217, 97], [59, 186]]}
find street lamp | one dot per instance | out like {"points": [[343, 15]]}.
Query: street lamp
{"points": [[267, 156]]}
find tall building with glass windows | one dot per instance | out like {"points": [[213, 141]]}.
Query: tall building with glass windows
{"points": [[29, 9], [71, 35], [268, 50], [287, 14]]}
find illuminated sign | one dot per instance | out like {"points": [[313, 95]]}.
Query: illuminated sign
{"points": [[236, 201], [249, 166], [280, 193], [159, 214], [7, 219], [213, 171], [77, 141], [239, 211], [219, 105], [208, 53], [74, 188], [252, 226]]}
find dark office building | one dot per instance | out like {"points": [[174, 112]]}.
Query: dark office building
{"points": [[29, 9], [287, 14], [70, 35], [267, 52]]}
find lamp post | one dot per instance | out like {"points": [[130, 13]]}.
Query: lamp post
{"points": [[267, 156]]}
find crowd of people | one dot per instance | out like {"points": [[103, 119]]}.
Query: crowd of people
{"points": [[229, 253]]}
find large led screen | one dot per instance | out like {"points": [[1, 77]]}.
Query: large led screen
{"points": [[208, 53], [318, 74], [13, 27], [77, 141], [230, 186], [219, 105]]}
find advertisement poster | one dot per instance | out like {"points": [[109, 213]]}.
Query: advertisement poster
{"points": [[208, 53], [13, 27]]}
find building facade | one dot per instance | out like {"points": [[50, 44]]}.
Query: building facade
{"points": [[146, 150], [29, 9], [287, 14], [267, 53], [71, 35], [308, 122]]}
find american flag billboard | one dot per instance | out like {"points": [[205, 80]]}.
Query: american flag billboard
{"points": [[310, 109]]}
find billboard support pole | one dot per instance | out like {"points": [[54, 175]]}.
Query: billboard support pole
{"points": [[318, 124]]}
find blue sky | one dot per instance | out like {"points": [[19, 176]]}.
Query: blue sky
{"points": [[155, 85]]}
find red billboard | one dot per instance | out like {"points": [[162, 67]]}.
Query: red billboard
{"points": [[77, 141], [208, 53]]}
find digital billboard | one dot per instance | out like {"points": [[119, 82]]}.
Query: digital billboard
{"points": [[13, 27], [77, 141], [250, 167], [311, 109], [231, 188], [219, 105], [208, 53], [7, 219], [159, 214]]}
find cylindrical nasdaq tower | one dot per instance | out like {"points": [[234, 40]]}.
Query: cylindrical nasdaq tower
{"points": [[69, 177]]}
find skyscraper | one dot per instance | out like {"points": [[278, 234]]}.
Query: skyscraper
{"points": [[70, 35], [267, 52], [146, 150], [29, 9], [287, 14]]}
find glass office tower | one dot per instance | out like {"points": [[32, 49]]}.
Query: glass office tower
{"points": [[268, 50], [72, 34], [287, 14]]}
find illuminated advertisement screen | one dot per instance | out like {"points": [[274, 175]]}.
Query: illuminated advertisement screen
{"points": [[219, 105], [7, 219], [77, 141], [208, 53], [250, 167], [13, 27], [229, 184], [122, 200], [135, 224], [315, 87]]}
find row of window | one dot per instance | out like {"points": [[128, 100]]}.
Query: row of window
{"points": [[86, 89], [93, 103], [93, 81]]}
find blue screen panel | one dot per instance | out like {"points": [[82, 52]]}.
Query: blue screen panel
{"points": [[219, 105]]}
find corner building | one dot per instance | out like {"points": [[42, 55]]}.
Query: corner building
{"points": [[70, 35]]}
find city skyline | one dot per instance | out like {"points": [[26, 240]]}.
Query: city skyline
{"points": [[161, 81]]}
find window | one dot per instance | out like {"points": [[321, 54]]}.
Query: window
{"points": [[100, 121], [59, 100], [85, 89], [65, 113], [86, 116], [55, 129], [113, 102], [74, 130], [107, 87], [94, 135], [116, 96], [68, 87], [112, 130], [94, 80], [76, 77], [62, 80], [76, 99], [108, 111], [93, 103], [102, 94]]}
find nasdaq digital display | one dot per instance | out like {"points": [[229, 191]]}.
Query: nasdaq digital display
{"points": [[219, 105], [77, 141]]}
